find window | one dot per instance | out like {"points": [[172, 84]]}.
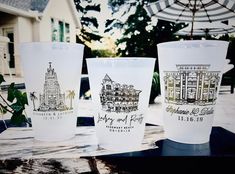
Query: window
{"points": [[108, 87], [60, 31], [54, 30], [67, 32]]}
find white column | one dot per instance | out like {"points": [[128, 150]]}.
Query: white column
{"points": [[174, 87], [208, 90], [166, 86], [181, 85], [203, 76], [197, 89], [186, 85]]}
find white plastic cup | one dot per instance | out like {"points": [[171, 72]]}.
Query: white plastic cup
{"points": [[120, 91], [172, 148], [52, 73], [190, 77]]}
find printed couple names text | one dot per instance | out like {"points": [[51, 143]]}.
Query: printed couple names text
{"points": [[195, 114], [117, 124]]}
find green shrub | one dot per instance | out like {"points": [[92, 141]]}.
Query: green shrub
{"points": [[14, 104], [155, 89]]}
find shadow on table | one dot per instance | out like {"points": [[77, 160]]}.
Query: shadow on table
{"points": [[222, 143], [171, 155]]}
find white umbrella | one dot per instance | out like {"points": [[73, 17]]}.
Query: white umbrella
{"points": [[206, 28], [192, 10]]}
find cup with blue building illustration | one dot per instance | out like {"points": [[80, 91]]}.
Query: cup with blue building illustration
{"points": [[52, 74], [190, 77], [120, 91]]}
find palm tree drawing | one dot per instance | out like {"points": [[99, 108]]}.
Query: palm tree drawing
{"points": [[33, 98], [71, 95]]}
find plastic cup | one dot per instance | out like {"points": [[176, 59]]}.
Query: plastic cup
{"points": [[52, 73], [172, 148], [190, 77], [120, 91]]}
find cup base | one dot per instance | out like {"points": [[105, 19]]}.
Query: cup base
{"points": [[172, 148], [190, 141]]}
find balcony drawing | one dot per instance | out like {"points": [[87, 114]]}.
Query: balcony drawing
{"points": [[116, 97]]}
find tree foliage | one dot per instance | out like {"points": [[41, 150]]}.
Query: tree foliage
{"points": [[140, 35], [89, 23], [14, 104], [103, 53]]}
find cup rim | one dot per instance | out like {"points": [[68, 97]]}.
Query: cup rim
{"points": [[185, 44], [121, 58]]}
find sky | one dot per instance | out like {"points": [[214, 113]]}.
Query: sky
{"points": [[106, 13], [102, 16], [108, 42]]}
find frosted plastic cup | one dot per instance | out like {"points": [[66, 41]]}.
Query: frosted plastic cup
{"points": [[172, 148], [190, 77], [120, 91], [52, 73]]}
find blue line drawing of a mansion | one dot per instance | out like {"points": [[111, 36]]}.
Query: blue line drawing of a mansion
{"points": [[118, 98], [191, 84]]}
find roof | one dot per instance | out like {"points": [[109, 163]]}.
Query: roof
{"points": [[26, 5], [107, 78], [33, 8]]}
